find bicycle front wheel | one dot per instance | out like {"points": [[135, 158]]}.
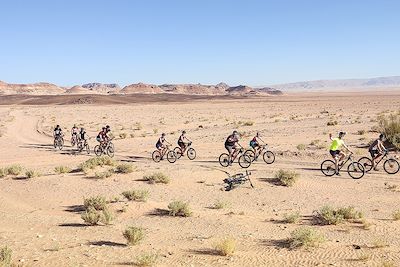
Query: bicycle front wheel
{"points": [[110, 151], [328, 167], [366, 162], [178, 152], [269, 157], [391, 166], [191, 153], [355, 170], [244, 161]]}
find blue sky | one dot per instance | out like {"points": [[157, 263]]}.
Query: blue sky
{"points": [[254, 42]]}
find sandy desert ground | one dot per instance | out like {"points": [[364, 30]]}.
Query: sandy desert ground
{"points": [[40, 217]]}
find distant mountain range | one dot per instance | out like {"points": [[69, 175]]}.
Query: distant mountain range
{"points": [[380, 83], [138, 88]]}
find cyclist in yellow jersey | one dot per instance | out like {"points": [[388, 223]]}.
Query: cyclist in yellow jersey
{"points": [[334, 150]]}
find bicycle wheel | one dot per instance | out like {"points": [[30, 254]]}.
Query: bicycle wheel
{"points": [[356, 170], [391, 166], [269, 157], [72, 141], [55, 143], [98, 150], [328, 167], [250, 153], [61, 144], [110, 151], [87, 149], [224, 160], [156, 156], [178, 152], [171, 156], [366, 162], [244, 161], [191, 153], [110, 144]]}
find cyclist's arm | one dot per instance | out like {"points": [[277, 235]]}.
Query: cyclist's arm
{"points": [[330, 137], [347, 148], [261, 140], [381, 147]]}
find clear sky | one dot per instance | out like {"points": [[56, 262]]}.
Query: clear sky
{"points": [[254, 42]]}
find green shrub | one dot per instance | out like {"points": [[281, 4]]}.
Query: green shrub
{"points": [[179, 208], [5, 256], [14, 170], [32, 174], [124, 168], [390, 126], [328, 216], [107, 216], [133, 235], [92, 163], [225, 247], [146, 260], [97, 202], [286, 178], [91, 216], [136, 195], [292, 217], [157, 178], [62, 169], [305, 237], [349, 213]]}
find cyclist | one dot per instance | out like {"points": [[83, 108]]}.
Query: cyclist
{"points": [[74, 133], [184, 142], [376, 149], [57, 133], [255, 144], [82, 136], [161, 144], [335, 152], [231, 144], [102, 137]]}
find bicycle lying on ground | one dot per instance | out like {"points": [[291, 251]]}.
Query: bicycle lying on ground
{"points": [[354, 169], [190, 152], [59, 142], [390, 165], [237, 179], [267, 155], [83, 144], [106, 148], [159, 155], [243, 159]]}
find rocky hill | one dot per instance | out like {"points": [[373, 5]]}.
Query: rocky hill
{"points": [[103, 88], [30, 89]]}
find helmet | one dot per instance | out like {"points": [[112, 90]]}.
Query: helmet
{"points": [[235, 132], [82, 129], [382, 136], [58, 126], [183, 132], [342, 133], [257, 134], [103, 128], [163, 134], [74, 125]]}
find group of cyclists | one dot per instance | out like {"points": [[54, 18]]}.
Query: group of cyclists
{"points": [[232, 145]]}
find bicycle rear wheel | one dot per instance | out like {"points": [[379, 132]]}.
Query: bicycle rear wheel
{"points": [[178, 152], [250, 153], [224, 160], [244, 161], [355, 170], [269, 157], [328, 167], [98, 150], [191, 153], [171, 156], [366, 162], [391, 166], [156, 156]]}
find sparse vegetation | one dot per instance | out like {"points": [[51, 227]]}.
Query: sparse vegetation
{"points": [[219, 204], [301, 147], [305, 237], [179, 208], [107, 216], [157, 178], [146, 260], [332, 123], [5, 256], [292, 217], [32, 174], [3, 173], [328, 215], [361, 132], [396, 215], [62, 169], [248, 123], [124, 168], [286, 178], [379, 243], [92, 163], [96, 211], [97, 202], [91, 216], [134, 235], [14, 170], [136, 195], [390, 126], [103, 174], [123, 135], [225, 247]]}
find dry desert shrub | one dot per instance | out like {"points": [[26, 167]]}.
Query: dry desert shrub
{"points": [[157, 178], [305, 237], [97, 202], [136, 195], [146, 260], [248, 123], [32, 174], [123, 135], [62, 169], [14, 170], [103, 174], [328, 215], [91, 216], [286, 178], [92, 163], [292, 217], [332, 123], [390, 126], [96, 211], [387, 264], [179, 208], [220, 204], [3, 173], [124, 168], [5, 256], [133, 235], [361, 132], [379, 243], [301, 147], [396, 215], [225, 247]]}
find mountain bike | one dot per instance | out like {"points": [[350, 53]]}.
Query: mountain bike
{"points": [[59, 142], [390, 165], [237, 179], [354, 169], [159, 155], [74, 139], [190, 152], [243, 160], [267, 155], [106, 148], [83, 144]]}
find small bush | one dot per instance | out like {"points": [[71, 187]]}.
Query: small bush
{"points": [[14, 170], [92, 163], [155, 131], [292, 217], [146, 260], [107, 216], [387, 264], [3, 173], [136, 195], [396, 215], [301, 147], [179, 208], [361, 132], [5, 256], [349, 213], [133, 235], [248, 123], [123, 135], [97, 202], [219, 204], [328, 216], [124, 168], [390, 126], [62, 169], [286, 178], [225, 247], [157, 178], [379, 243], [91, 216], [305, 237], [104, 174], [32, 174], [332, 123]]}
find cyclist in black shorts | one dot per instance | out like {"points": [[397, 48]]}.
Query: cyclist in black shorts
{"points": [[231, 144]]}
